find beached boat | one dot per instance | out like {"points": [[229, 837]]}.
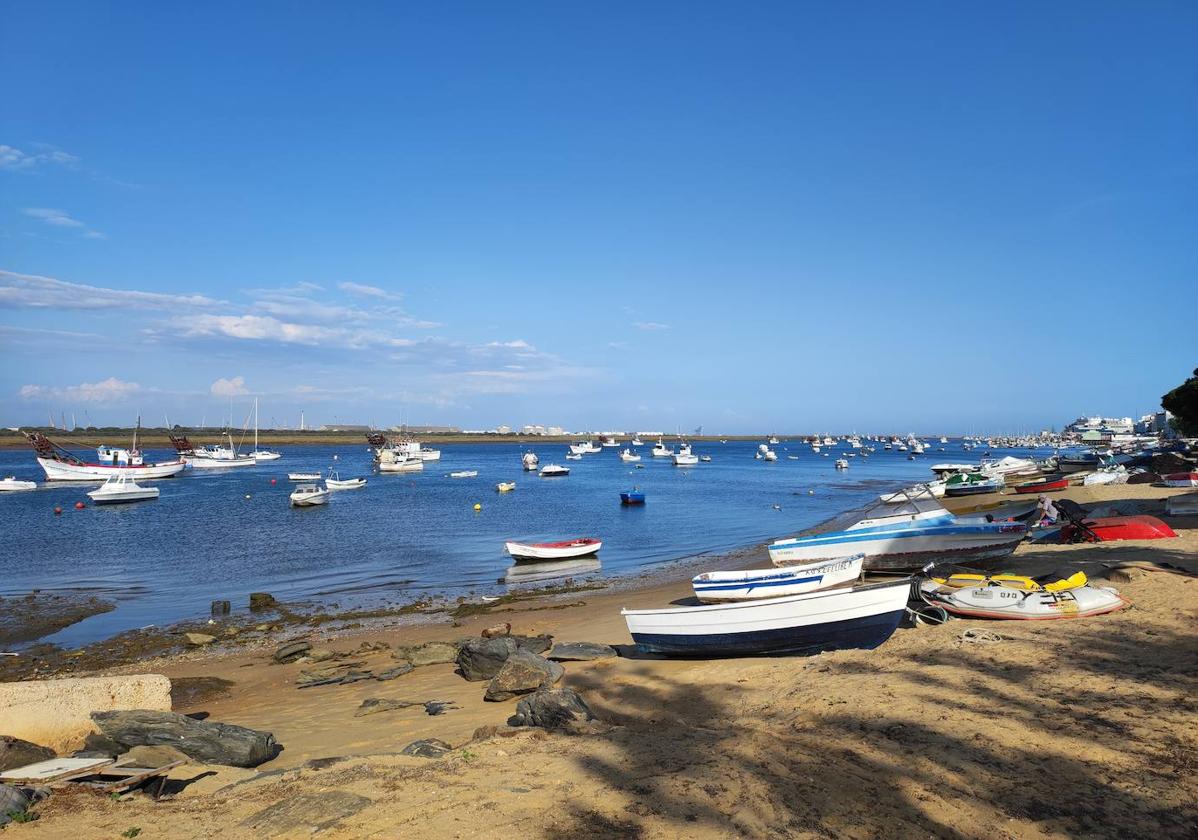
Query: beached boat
{"points": [[632, 497], [1180, 479], [565, 550], [629, 457], [947, 469], [972, 484], [505, 486], [1185, 504], [1006, 602], [529, 461], [935, 488], [858, 617], [554, 471], [715, 587], [1050, 484], [11, 484], [904, 537], [303, 476], [1114, 528], [464, 474], [1008, 511], [121, 488], [61, 465], [309, 495], [1079, 463]]}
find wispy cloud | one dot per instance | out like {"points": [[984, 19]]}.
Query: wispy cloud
{"points": [[30, 291], [269, 328], [650, 326], [106, 391], [362, 290], [234, 387], [13, 159], [59, 218]]}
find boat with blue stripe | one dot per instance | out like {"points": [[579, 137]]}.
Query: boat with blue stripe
{"points": [[635, 496], [715, 587]]}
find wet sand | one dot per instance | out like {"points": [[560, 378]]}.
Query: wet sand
{"points": [[1049, 729]]}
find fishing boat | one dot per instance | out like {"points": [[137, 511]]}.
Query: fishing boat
{"points": [[554, 471], [399, 461], [716, 587], [903, 538], [585, 447], [120, 488], [971, 484], [660, 450], [261, 454], [464, 474], [11, 484], [565, 550], [309, 495], [609, 441], [629, 457], [1180, 479], [685, 459], [634, 496], [857, 617], [1050, 484], [996, 600], [505, 486], [61, 465], [212, 456], [529, 461], [401, 448], [773, 441], [303, 476]]}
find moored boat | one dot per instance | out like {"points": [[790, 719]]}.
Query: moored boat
{"points": [[529, 461], [303, 476], [629, 457], [858, 617], [61, 465], [685, 459], [632, 497], [121, 488], [715, 587], [309, 495], [564, 550], [11, 484], [554, 471], [336, 482], [464, 474], [505, 486]]}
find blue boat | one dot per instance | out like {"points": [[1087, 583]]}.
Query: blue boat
{"points": [[632, 497]]}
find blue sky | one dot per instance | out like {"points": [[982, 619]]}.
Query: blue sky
{"points": [[768, 216]]}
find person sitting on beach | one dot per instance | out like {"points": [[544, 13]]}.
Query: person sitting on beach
{"points": [[1048, 513]]}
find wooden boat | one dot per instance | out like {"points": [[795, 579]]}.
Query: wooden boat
{"points": [[121, 488], [857, 617], [61, 465], [505, 486], [309, 495], [717, 587], [344, 483], [998, 601], [1180, 479], [11, 484], [632, 497], [1050, 484], [299, 476], [554, 471], [566, 550]]}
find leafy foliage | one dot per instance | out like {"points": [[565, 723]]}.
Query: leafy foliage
{"points": [[1182, 402]]}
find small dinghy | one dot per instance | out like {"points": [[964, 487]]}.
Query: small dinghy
{"points": [[344, 483], [1043, 485], [832, 619], [632, 497], [1077, 528], [1180, 479], [11, 484], [716, 587], [566, 550], [573, 456], [303, 476], [309, 495], [121, 488], [706, 459], [505, 486], [464, 474], [996, 600], [554, 471]]}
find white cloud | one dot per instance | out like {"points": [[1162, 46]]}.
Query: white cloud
{"points": [[108, 390], [518, 344], [650, 326], [268, 328], [59, 218], [14, 159], [234, 387], [20, 291], [362, 290]]}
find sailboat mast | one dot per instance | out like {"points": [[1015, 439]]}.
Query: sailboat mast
{"points": [[255, 424]]}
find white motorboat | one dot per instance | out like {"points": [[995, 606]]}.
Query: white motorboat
{"points": [[336, 482], [303, 476], [464, 474], [573, 456], [842, 464], [399, 461], [505, 486], [121, 488], [769, 455], [636, 441], [715, 587], [705, 458], [857, 617], [529, 461], [214, 455], [942, 470], [685, 459], [11, 484], [936, 488], [261, 454], [565, 550], [554, 471], [660, 450], [61, 465], [773, 441], [609, 441], [309, 495], [629, 457], [585, 447]]}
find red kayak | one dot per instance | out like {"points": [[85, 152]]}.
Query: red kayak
{"points": [[1185, 479], [1111, 528], [1043, 485]]}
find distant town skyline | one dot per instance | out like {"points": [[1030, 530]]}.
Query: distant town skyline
{"points": [[778, 218]]}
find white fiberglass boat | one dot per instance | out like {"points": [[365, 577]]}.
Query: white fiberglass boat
{"points": [[505, 486], [261, 454], [609, 441], [336, 482], [586, 447], [660, 450], [11, 484], [573, 456], [636, 441], [61, 465], [554, 471], [391, 460], [529, 461], [997, 601], [309, 495], [212, 456], [842, 464], [303, 476], [121, 488], [566, 550], [629, 457], [685, 459], [464, 474], [714, 587], [936, 488]]}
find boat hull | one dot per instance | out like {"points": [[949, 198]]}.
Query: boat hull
{"points": [[720, 587], [63, 471], [906, 551], [552, 551], [972, 489], [121, 497], [632, 498], [1043, 486], [199, 462], [1115, 528], [862, 617]]}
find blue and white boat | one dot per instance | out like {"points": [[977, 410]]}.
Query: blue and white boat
{"points": [[858, 617], [716, 587], [904, 538], [632, 497]]}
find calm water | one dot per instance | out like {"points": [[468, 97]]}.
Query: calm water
{"points": [[406, 535]]}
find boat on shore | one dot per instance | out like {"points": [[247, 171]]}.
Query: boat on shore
{"points": [[61, 465], [995, 600], [972, 484], [717, 587], [12, 484], [1050, 484], [309, 495], [1180, 479], [564, 550], [121, 488], [862, 616], [934, 488]]}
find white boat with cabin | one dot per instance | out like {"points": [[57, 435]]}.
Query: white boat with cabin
{"points": [[121, 488], [11, 484], [309, 495], [61, 465], [629, 457]]}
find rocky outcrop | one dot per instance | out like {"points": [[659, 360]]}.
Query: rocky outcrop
{"points": [[304, 814], [556, 709], [429, 653], [291, 651], [13, 801], [580, 652], [17, 753], [426, 748], [481, 659], [211, 743], [374, 705], [523, 673], [534, 644]]}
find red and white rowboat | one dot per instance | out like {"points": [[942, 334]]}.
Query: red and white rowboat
{"points": [[1043, 485], [1185, 479], [555, 550]]}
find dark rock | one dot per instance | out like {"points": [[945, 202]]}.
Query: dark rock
{"points": [[391, 673], [374, 705], [356, 676], [523, 673], [426, 748], [342, 673], [212, 743], [481, 659], [430, 653], [556, 708], [305, 813], [440, 707], [497, 630], [13, 800], [534, 644], [103, 745], [322, 654], [580, 652], [291, 651], [17, 753], [323, 762], [221, 607], [262, 601], [371, 647]]}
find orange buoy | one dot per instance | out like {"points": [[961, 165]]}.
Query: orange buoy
{"points": [[57, 511], [79, 505], [274, 481]]}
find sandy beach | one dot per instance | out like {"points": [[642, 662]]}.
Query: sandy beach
{"points": [[1084, 728]]}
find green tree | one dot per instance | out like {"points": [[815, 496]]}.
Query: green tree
{"points": [[1182, 402]]}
